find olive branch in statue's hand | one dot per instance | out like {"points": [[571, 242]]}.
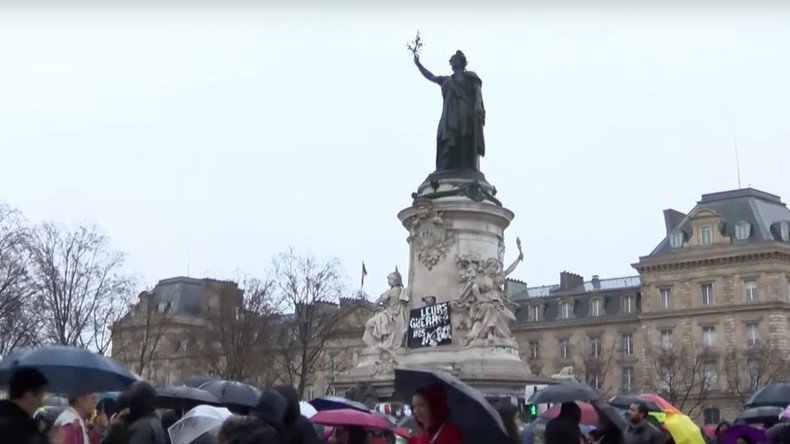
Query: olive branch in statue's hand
{"points": [[415, 46]]}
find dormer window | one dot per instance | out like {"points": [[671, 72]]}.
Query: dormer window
{"points": [[596, 307], [784, 231], [534, 313], [676, 239], [565, 310], [743, 230], [705, 235]]}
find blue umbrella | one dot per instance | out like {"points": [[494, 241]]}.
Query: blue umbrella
{"points": [[233, 395], [197, 381], [469, 410], [337, 403], [181, 396], [69, 370]]}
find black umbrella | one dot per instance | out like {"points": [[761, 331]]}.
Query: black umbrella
{"points": [[566, 392], [624, 402], [197, 381], [336, 403], [760, 414], [181, 397], [232, 394], [776, 394], [69, 370], [469, 410]]}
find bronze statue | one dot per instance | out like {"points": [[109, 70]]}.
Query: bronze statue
{"points": [[459, 140]]}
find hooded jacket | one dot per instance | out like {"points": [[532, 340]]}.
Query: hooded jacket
{"points": [[271, 409], [297, 428], [144, 426], [249, 430], [441, 431]]}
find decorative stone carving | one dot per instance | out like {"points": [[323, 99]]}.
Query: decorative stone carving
{"points": [[565, 374], [386, 330], [431, 235], [485, 310]]}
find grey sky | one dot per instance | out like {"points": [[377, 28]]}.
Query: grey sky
{"points": [[220, 137]]}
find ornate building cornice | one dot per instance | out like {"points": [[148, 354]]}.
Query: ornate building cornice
{"points": [[678, 262]]}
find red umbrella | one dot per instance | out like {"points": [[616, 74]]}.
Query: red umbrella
{"points": [[589, 415], [350, 417]]}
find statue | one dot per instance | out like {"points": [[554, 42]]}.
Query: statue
{"points": [[484, 299], [459, 140], [386, 330]]}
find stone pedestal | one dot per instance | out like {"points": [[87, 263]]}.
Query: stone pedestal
{"points": [[455, 219]]}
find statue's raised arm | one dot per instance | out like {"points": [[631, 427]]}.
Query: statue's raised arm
{"points": [[424, 71]]}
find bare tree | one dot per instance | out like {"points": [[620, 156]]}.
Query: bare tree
{"points": [[231, 347], [683, 375], [596, 363], [17, 325], [748, 369], [152, 325], [79, 285], [308, 290]]}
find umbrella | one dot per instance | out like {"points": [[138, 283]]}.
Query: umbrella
{"points": [[408, 423], [624, 402], [69, 370], [335, 402], [776, 394], [233, 394], [196, 422], [760, 414], [567, 392], [589, 415], [469, 410], [682, 429], [753, 435], [662, 403], [350, 417], [306, 409], [197, 381], [175, 397]]}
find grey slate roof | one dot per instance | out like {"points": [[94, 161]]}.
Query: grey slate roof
{"points": [[764, 211], [184, 294], [518, 293]]}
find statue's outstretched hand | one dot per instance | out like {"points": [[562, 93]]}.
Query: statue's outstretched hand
{"points": [[416, 59]]}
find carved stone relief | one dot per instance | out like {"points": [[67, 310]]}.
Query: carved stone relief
{"points": [[430, 235]]}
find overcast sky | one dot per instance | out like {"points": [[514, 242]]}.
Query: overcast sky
{"points": [[219, 137]]}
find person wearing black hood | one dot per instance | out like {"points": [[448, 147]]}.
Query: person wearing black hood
{"points": [[26, 394], [297, 428], [115, 433], [144, 426]]}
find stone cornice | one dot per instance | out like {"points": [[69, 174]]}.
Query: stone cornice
{"points": [[587, 321], [715, 310], [701, 257]]}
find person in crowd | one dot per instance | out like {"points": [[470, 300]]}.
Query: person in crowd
{"points": [[640, 430], [297, 428], [720, 429], [26, 394], [509, 415], [564, 429], [606, 432], [743, 439], [270, 410], [349, 435], [116, 431], [144, 427], [169, 417], [74, 420], [247, 430], [430, 410]]}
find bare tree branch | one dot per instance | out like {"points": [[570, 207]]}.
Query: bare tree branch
{"points": [[596, 363], [748, 369], [681, 376], [17, 325]]}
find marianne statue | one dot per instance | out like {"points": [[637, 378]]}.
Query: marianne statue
{"points": [[459, 140]]}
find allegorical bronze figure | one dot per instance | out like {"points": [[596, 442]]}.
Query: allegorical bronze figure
{"points": [[459, 139]]}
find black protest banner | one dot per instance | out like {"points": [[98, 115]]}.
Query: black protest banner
{"points": [[430, 326]]}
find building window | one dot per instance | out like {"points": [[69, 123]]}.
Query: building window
{"points": [[594, 380], [665, 298], [534, 313], [711, 376], [750, 287], [597, 307], [162, 307], [709, 337], [565, 348], [666, 378], [711, 415], [666, 339], [707, 294], [627, 384], [705, 235], [784, 231], [565, 310], [676, 239], [629, 304], [753, 367], [752, 334], [534, 350], [627, 344], [594, 346], [743, 230]]}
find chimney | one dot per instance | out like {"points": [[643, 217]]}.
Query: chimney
{"points": [[570, 281], [672, 218], [596, 281]]}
